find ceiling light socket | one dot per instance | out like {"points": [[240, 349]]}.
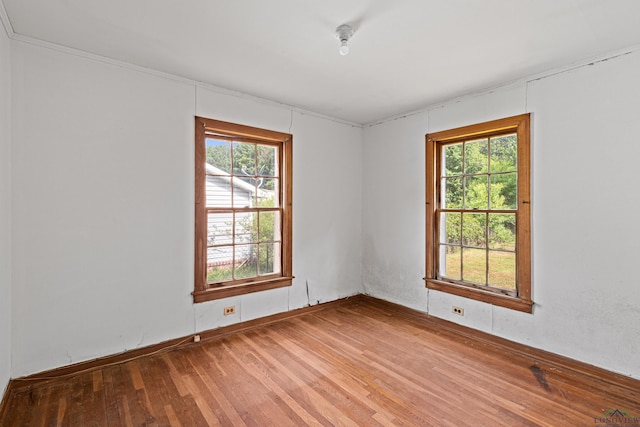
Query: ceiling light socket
{"points": [[344, 33]]}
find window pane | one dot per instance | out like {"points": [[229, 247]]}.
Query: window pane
{"points": [[502, 270], [473, 229], [452, 159], [502, 231], [218, 156], [246, 227], [452, 189], [244, 159], [268, 193], [267, 156], [450, 228], [219, 229], [269, 258], [504, 153], [219, 264], [244, 191], [476, 157], [246, 265], [474, 265], [450, 262], [476, 192], [218, 191], [269, 226], [504, 191]]}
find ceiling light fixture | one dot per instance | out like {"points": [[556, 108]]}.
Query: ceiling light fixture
{"points": [[344, 33]]}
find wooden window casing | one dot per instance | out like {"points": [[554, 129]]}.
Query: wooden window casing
{"points": [[218, 130], [520, 297]]}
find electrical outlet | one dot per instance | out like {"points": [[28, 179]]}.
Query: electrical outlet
{"points": [[457, 310], [230, 310]]}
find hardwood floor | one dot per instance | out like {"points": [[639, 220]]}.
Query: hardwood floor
{"points": [[363, 363]]}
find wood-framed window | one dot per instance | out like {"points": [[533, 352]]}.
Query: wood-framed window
{"points": [[478, 242], [243, 209]]}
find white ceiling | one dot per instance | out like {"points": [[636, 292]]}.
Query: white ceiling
{"points": [[405, 54]]}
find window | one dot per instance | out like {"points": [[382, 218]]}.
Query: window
{"points": [[478, 212], [242, 209]]}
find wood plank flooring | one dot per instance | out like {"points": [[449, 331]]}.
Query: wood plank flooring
{"points": [[358, 364]]}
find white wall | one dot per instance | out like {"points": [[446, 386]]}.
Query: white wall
{"points": [[5, 210], [102, 211], [103, 215], [586, 233]]}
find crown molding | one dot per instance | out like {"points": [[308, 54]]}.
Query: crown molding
{"points": [[6, 23], [523, 81], [198, 84]]}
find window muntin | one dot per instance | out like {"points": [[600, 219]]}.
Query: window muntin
{"points": [[478, 242], [243, 209]]}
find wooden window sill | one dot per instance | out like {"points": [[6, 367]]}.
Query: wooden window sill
{"points": [[506, 301], [240, 289]]}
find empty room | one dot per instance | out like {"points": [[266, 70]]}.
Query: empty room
{"points": [[288, 213]]}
